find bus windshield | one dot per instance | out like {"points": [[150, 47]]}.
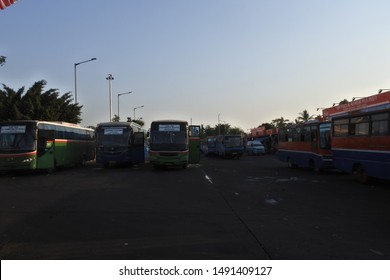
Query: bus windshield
{"points": [[232, 141], [169, 137], [16, 138], [211, 142], [113, 136]]}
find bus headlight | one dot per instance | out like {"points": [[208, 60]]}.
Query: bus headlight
{"points": [[27, 160]]}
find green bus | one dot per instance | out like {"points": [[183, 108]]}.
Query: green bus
{"points": [[30, 145], [168, 143]]}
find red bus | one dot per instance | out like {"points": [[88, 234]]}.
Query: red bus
{"points": [[361, 136], [306, 145]]}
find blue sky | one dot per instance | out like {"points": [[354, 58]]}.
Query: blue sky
{"points": [[251, 61]]}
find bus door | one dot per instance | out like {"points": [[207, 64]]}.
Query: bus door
{"points": [[314, 139], [194, 144], [138, 148], [45, 149]]}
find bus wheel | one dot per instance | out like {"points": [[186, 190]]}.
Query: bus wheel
{"points": [[291, 165], [314, 167], [362, 175], [84, 161]]}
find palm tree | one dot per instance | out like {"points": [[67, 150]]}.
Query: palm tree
{"points": [[280, 122], [304, 116], [2, 60]]}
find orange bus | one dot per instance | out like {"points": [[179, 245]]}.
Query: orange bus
{"points": [[306, 145], [361, 136]]}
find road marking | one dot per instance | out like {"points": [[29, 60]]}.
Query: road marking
{"points": [[207, 177]]}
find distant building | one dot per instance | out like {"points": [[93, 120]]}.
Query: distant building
{"points": [[260, 131]]}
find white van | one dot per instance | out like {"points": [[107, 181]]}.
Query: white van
{"points": [[255, 148]]}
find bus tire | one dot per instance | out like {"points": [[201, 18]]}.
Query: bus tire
{"points": [[290, 164], [84, 160], [362, 175], [313, 166]]}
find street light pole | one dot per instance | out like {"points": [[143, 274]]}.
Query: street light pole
{"points": [[119, 94], [110, 78], [136, 109], [75, 76], [219, 126]]}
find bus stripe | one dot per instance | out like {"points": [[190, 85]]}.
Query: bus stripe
{"points": [[361, 150], [18, 155]]}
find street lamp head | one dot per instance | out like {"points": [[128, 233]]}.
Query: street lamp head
{"points": [[120, 94]]}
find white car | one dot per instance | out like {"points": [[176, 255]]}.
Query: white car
{"points": [[255, 148]]}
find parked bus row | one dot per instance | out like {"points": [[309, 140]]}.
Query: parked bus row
{"points": [[354, 139], [223, 146], [31, 145]]}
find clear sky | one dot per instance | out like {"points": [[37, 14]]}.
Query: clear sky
{"points": [[251, 61]]}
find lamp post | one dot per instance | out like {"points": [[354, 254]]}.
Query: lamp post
{"points": [[110, 78], [219, 126], [75, 76], [119, 94], [136, 109]]}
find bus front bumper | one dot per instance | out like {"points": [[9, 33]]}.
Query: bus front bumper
{"points": [[174, 158]]}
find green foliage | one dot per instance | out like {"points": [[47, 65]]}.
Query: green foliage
{"points": [[280, 122], [139, 121], [304, 116], [37, 104], [116, 118], [220, 130], [2, 60]]}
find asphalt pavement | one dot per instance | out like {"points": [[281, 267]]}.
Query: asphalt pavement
{"points": [[251, 208]]}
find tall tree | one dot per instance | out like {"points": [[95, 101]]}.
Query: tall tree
{"points": [[304, 116], [37, 104], [2, 60], [280, 122]]}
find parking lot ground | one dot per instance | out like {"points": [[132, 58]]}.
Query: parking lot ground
{"points": [[252, 208]]}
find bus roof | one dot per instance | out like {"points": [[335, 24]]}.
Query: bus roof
{"points": [[114, 124], [133, 125], [373, 102], [170, 121], [58, 123]]}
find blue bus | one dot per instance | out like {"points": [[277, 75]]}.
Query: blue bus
{"points": [[306, 145], [229, 145], [208, 146], [119, 143], [361, 136]]}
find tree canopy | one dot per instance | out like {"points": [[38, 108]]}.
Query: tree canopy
{"points": [[304, 116], [2, 60], [38, 104], [220, 129]]}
